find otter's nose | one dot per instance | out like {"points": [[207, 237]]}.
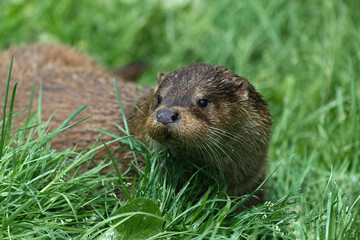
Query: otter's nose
{"points": [[165, 116]]}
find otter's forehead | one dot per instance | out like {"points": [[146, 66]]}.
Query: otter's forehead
{"points": [[198, 73], [199, 79]]}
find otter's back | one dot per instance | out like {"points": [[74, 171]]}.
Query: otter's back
{"points": [[69, 80]]}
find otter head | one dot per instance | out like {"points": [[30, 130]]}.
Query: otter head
{"points": [[199, 106], [210, 116]]}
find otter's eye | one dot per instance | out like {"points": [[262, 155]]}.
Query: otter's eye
{"points": [[158, 99], [203, 103]]}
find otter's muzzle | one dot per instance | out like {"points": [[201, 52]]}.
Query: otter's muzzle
{"points": [[166, 116]]}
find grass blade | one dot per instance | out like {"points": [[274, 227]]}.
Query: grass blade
{"points": [[117, 171], [3, 128], [125, 121]]}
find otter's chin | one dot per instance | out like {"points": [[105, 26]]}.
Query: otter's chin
{"points": [[167, 139]]}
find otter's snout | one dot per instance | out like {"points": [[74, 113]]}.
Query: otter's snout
{"points": [[166, 116]]}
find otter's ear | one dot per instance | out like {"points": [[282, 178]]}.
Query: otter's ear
{"points": [[242, 88], [160, 77]]}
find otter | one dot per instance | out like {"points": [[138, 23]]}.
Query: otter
{"points": [[201, 113]]}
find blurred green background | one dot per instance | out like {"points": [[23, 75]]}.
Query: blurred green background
{"points": [[303, 56]]}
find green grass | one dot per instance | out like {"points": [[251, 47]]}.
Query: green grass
{"points": [[303, 56]]}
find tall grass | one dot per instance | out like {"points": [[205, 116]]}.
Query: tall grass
{"points": [[303, 56]]}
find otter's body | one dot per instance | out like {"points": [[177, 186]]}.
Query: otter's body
{"points": [[69, 80], [201, 113]]}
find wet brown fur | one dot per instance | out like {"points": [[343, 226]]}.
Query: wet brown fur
{"points": [[69, 80], [231, 134]]}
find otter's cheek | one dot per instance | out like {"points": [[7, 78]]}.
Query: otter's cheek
{"points": [[151, 126], [174, 126]]}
